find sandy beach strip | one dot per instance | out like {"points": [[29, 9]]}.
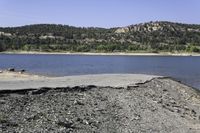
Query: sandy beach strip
{"points": [[106, 54], [14, 81]]}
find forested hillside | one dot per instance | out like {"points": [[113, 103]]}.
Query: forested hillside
{"points": [[147, 37]]}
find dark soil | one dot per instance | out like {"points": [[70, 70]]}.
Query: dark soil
{"points": [[160, 105]]}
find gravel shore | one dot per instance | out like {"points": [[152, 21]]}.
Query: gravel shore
{"points": [[156, 105]]}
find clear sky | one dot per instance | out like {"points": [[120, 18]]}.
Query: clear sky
{"points": [[97, 13]]}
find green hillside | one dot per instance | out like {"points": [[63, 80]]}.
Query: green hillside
{"points": [[147, 37]]}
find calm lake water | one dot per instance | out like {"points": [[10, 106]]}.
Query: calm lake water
{"points": [[186, 69]]}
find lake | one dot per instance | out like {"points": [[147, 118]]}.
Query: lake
{"points": [[185, 69]]}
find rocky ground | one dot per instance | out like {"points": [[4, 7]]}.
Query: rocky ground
{"points": [[159, 105]]}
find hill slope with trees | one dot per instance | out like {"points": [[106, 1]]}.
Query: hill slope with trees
{"points": [[157, 36]]}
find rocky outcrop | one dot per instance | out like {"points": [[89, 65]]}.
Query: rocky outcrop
{"points": [[5, 34], [122, 30], [155, 26], [159, 105], [11, 69]]}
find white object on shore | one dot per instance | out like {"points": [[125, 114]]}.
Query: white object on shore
{"points": [[13, 82]]}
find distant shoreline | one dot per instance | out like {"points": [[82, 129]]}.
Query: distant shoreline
{"points": [[114, 53]]}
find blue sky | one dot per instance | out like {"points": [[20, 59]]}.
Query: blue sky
{"points": [[97, 13]]}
